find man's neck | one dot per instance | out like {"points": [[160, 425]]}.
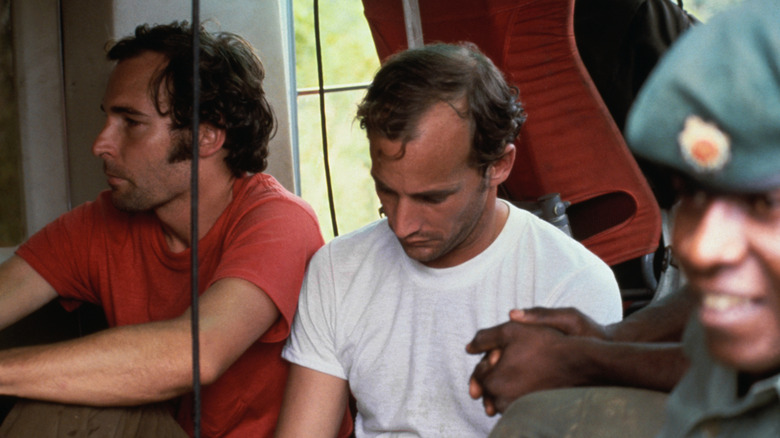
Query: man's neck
{"points": [[488, 227], [213, 199]]}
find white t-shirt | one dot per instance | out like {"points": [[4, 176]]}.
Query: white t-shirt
{"points": [[397, 330]]}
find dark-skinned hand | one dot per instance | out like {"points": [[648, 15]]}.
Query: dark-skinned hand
{"points": [[531, 352]]}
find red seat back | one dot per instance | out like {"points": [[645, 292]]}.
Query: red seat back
{"points": [[569, 144]]}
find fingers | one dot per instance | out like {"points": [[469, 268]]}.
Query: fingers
{"points": [[475, 387], [480, 371], [475, 383], [517, 315], [486, 340], [538, 315], [493, 357], [489, 401], [490, 407], [566, 320], [475, 391]]}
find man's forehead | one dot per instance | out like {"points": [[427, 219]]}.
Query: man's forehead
{"points": [[145, 63], [134, 78], [441, 121], [688, 183]]}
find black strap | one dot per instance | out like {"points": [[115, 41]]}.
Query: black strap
{"points": [[194, 216], [323, 125]]}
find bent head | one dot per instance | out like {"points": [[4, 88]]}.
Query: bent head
{"points": [[412, 82], [711, 113], [440, 122]]}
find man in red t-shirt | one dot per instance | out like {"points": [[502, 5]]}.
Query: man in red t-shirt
{"points": [[129, 250]]}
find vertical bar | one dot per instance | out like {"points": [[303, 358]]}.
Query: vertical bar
{"points": [[414, 34], [194, 216], [293, 96]]}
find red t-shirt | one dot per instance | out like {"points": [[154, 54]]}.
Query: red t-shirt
{"points": [[120, 261]]}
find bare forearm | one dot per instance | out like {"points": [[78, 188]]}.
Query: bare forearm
{"points": [[143, 363], [122, 366], [662, 321], [657, 366]]}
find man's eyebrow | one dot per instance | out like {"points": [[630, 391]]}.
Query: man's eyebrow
{"points": [[438, 193], [379, 183], [423, 194], [118, 109]]}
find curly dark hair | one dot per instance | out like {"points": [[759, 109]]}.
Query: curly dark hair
{"points": [[412, 81], [231, 88]]}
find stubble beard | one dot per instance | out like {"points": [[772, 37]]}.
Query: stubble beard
{"points": [[136, 199], [463, 233]]}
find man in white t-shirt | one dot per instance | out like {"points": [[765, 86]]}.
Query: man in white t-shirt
{"points": [[385, 312]]}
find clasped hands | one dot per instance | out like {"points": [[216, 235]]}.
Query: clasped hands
{"points": [[536, 349]]}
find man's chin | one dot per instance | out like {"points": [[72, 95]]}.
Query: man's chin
{"points": [[122, 203], [421, 254]]}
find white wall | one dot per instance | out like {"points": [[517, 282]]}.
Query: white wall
{"points": [[89, 23], [39, 86], [60, 82]]}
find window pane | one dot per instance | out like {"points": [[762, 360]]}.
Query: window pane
{"points": [[350, 164], [348, 53], [348, 57]]}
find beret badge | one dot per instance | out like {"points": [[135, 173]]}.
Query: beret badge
{"points": [[703, 145]]}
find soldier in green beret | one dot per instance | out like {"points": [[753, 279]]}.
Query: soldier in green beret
{"points": [[711, 115]]}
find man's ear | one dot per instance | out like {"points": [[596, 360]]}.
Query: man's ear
{"points": [[499, 170], [210, 139]]}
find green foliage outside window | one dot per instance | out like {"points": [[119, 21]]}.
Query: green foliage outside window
{"points": [[348, 57]]}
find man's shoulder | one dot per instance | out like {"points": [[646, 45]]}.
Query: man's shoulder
{"points": [[525, 222], [263, 191], [546, 239], [260, 186], [101, 215], [361, 244]]}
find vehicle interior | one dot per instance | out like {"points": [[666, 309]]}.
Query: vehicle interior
{"points": [[577, 65]]}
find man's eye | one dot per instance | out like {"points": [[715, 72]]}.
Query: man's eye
{"points": [[434, 199], [382, 192], [131, 122], [696, 198], [764, 204]]}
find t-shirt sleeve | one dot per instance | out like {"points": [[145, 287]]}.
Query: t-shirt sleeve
{"points": [[60, 252], [270, 247], [583, 281], [312, 342], [593, 290]]}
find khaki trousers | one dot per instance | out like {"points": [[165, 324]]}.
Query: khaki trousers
{"points": [[36, 419]]}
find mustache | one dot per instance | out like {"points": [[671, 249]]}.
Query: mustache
{"points": [[112, 170], [421, 236]]}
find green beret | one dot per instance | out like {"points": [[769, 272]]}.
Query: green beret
{"points": [[711, 108]]}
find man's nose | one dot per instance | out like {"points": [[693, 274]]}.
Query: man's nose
{"points": [[104, 143], [716, 239], [404, 218]]}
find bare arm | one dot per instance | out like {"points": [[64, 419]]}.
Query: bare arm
{"points": [[22, 291], [314, 404], [142, 363], [661, 321]]}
